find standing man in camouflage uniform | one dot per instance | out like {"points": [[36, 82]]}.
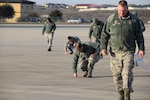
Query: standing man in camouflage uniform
{"points": [[89, 54], [142, 26], [70, 43], [48, 31], [121, 31], [95, 30]]}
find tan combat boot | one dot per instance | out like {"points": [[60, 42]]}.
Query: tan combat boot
{"points": [[85, 73], [89, 75], [121, 95], [126, 94]]}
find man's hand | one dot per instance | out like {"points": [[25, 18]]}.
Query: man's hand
{"points": [[52, 31], [89, 39], [66, 53], [103, 52], [141, 53], [92, 55], [75, 75]]}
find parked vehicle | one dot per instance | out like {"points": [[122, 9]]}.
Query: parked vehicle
{"points": [[32, 19], [86, 20], [148, 21], [77, 20]]}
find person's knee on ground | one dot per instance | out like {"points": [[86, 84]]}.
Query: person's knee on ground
{"points": [[91, 63], [90, 68], [84, 69], [83, 66]]}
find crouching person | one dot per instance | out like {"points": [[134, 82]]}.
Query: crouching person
{"points": [[89, 54], [70, 44]]}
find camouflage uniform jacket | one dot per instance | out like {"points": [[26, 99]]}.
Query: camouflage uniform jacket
{"points": [[95, 29], [121, 33], [49, 27], [88, 49]]}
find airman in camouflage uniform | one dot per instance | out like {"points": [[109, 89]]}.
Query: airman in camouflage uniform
{"points": [[142, 26], [89, 54], [70, 43], [121, 31], [48, 31], [95, 30]]}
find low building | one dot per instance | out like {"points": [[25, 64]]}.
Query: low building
{"points": [[85, 6], [55, 5], [22, 8]]}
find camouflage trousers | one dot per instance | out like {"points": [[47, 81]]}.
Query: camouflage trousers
{"points": [[121, 64], [94, 39], [88, 64]]}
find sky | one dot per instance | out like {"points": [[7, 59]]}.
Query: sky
{"points": [[71, 2]]}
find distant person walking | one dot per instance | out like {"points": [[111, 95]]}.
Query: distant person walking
{"points": [[48, 31], [122, 31], [95, 30], [70, 43], [142, 26]]}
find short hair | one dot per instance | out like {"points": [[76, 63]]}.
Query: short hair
{"points": [[123, 3], [69, 37], [49, 19], [78, 46]]}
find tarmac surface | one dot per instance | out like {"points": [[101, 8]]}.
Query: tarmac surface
{"points": [[29, 72]]}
